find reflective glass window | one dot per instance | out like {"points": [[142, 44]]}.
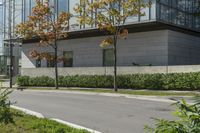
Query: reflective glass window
{"points": [[63, 6], [108, 57], [73, 20], [68, 58]]}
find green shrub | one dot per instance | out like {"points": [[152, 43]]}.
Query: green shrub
{"points": [[177, 81], [188, 122], [23, 80], [6, 116]]}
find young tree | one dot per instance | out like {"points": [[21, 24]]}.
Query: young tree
{"points": [[110, 16], [44, 25]]}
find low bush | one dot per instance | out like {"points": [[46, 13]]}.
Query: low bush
{"points": [[6, 116], [175, 81], [188, 120], [40, 81]]}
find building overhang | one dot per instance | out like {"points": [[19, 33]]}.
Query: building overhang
{"points": [[133, 28]]}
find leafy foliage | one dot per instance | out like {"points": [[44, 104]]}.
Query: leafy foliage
{"points": [[44, 25], [110, 16], [189, 120], [176, 81], [6, 116]]}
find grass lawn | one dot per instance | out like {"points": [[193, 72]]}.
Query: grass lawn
{"points": [[131, 92], [30, 124]]}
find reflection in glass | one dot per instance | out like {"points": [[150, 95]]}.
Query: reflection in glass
{"points": [[179, 12]]}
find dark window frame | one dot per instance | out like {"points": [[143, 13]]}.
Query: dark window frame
{"points": [[38, 63], [50, 63], [70, 62], [105, 64]]}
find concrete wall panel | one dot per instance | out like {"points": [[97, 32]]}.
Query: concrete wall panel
{"points": [[141, 48], [183, 49], [109, 70]]}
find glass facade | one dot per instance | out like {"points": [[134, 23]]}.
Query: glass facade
{"points": [[150, 14], [183, 13], [3, 58], [177, 12], [22, 9]]}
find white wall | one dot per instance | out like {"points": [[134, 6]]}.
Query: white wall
{"points": [[142, 48], [158, 48], [34, 72]]}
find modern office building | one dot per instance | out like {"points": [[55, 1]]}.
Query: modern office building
{"points": [[2, 56], [168, 34], [15, 14], [1, 22]]}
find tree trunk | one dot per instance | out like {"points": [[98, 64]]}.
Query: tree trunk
{"points": [[115, 64], [56, 65]]}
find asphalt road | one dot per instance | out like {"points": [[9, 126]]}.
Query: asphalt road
{"points": [[101, 113]]}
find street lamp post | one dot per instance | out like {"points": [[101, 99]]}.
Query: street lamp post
{"points": [[10, 42]]}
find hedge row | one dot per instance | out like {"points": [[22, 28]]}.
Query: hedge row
{"points": [[178, 81]]}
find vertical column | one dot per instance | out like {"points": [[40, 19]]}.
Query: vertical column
{"points": [[10, 42]]}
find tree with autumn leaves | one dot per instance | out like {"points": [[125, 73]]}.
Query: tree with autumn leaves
{"points": [[110, 16], [48, 29]]}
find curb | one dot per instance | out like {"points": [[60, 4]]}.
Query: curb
{"points": [[29, 112], [138, 97], [39, 115], [74, 125]]}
